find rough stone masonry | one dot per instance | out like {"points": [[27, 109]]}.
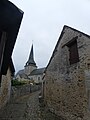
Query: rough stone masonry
{"points": [[67, 77]]}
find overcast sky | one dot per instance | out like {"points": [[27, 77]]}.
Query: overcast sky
{"points": [[42, 22]]}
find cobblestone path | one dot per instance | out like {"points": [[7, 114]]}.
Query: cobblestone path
{"points": [[26, 108]]}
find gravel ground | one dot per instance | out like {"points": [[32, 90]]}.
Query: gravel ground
{"points": [[26, 107]]}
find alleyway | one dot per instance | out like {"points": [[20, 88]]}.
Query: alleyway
{"points": [[26, 108]]}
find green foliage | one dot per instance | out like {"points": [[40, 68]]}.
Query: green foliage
{"points": [[17, 83]]}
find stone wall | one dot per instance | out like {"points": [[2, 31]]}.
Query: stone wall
{"points": [[5, 89], [17, 91], [66, 91]]}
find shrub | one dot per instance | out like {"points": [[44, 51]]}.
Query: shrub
{"points": [[17, 83]]}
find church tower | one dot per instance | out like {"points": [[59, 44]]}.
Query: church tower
{"points": [[30, 64]]}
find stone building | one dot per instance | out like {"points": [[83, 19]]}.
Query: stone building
{"points": [[21, 76], [5, 89], [30, 72], [67, 76], [10, 20], [37, 75]]}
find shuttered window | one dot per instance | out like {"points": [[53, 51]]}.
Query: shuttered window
{"points": [[73, 52]]}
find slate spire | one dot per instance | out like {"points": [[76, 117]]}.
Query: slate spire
{"points": [[31, 58]]}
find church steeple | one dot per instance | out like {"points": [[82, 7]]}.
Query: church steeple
{"points": [[31, 58]]}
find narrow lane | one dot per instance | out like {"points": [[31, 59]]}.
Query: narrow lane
{"points": [[26, 108]]}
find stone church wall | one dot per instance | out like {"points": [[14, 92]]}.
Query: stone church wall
{"points": [[36, 78], [66, 90], [29, 69]]}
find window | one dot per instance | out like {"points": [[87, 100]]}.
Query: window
{"points": [[38, 78], [88, 65], [73, 52], [31, 78]]}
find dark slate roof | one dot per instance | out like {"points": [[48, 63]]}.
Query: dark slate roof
{"points": [[10, 20], [62, 33], [31, 58], [37, 71], [22, 74], [3, 1]]}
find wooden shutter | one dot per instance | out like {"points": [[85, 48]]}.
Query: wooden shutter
{"points": [[73, 53]]}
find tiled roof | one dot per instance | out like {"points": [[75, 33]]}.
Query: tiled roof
{"points": [[37, 71], [22, 74]]}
